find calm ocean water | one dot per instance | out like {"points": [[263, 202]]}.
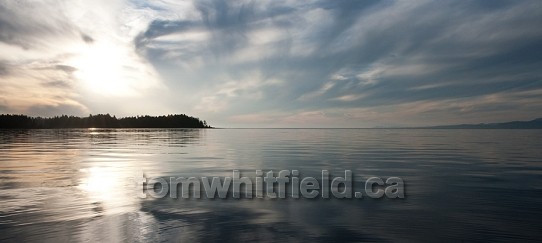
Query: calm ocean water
{"points": [[461, 185]]}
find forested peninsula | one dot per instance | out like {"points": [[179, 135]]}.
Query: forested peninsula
{"points": [[10, 121]]}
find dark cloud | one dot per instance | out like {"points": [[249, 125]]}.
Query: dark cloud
{"points": [[57, 84], [436, 51], [227, 22], [159, 28], [27, 25], [8, 24], [86, 38], [66, 68], [52, 65], [4, 69]]}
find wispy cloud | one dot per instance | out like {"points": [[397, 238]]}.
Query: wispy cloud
{"points": [[318, 63]]}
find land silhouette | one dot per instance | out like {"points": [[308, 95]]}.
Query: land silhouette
{"points": [[532, 124], [9, 121], [12, 121]]}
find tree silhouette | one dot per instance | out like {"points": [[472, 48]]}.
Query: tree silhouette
{"points": [[9, 121]]}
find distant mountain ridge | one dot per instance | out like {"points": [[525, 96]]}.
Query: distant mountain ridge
{"points": [[532, 124]]}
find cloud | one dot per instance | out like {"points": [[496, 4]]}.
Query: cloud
{"points": [[24, 24], [87, 39], [237, 91], [347, 55], [72, 54], [58, 83], [3, 69], [57, 109], [39, 84], [361, 63], [66, 68]]}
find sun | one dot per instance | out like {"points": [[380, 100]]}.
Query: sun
{"points": [[101, 69]]}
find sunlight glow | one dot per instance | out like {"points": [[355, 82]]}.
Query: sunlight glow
{"points": [[106, 187], [100, 183], [100, 68]]}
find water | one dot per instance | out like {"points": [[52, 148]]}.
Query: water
{"points": [[461, 185]]}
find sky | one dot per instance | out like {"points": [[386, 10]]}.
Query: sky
{"points": [[274, 63]]}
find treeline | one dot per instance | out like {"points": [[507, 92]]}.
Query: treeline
{"points": [[8, 121]]}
